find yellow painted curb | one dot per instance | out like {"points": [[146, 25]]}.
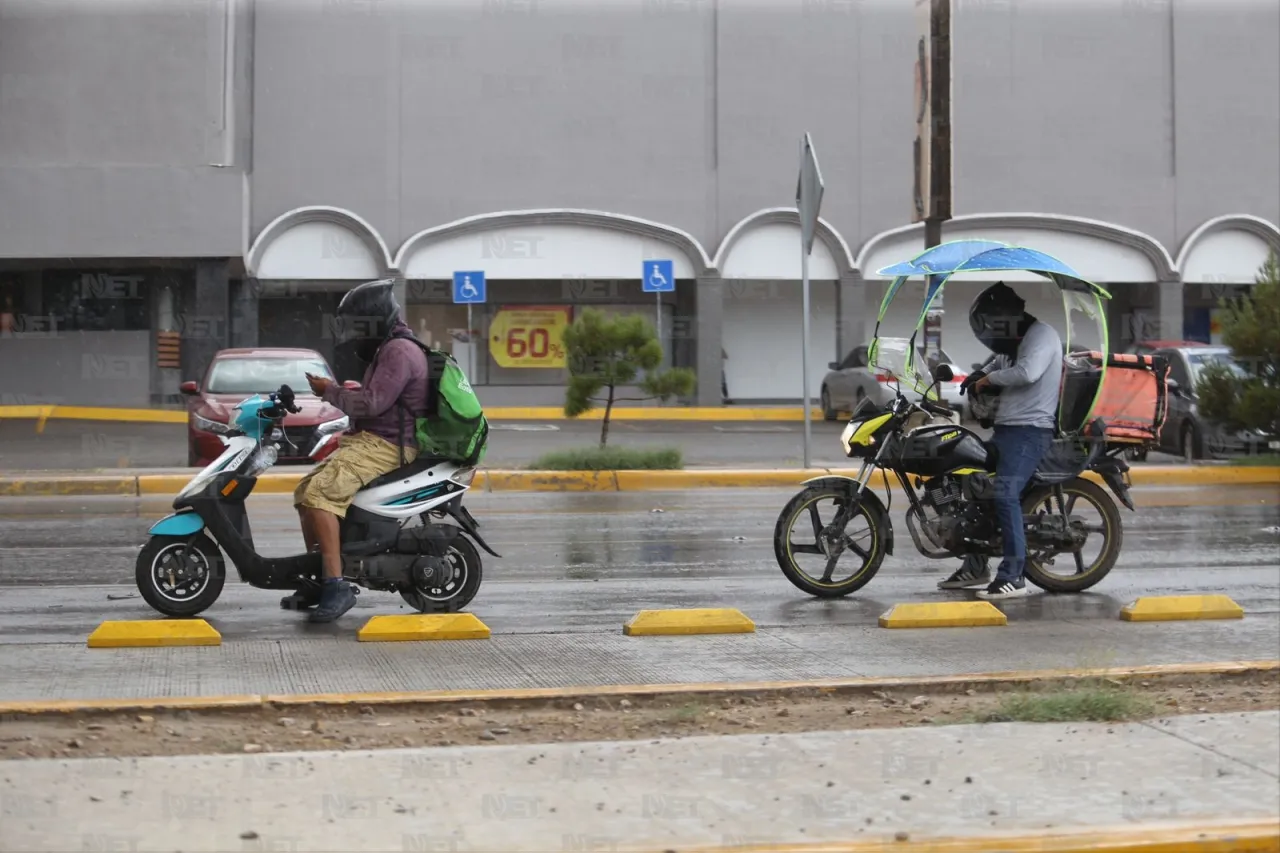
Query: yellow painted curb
{"points": [[496, 413], [714, 620], [945, 614], [45, 487], [440, 626], [550, 481], [154, 632], [1209, 836], [723, 688], [1200, 475], [1169, 608]]}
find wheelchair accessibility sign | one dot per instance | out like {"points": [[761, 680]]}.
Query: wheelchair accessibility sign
{"points": [[468, 287], [659, 276]]}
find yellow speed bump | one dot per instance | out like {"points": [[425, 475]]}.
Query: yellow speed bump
{"points": [[714, 620], [1169, 608], [945, 614], [440, 626], [154, 632]]}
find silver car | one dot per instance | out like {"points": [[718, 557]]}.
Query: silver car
{"points": [[853, 380]]}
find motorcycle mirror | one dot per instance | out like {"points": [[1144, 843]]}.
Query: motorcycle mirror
{"points": [[943, 373]]}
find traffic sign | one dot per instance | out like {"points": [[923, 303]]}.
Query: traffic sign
{"points": [[468, 287], [659, 276]]}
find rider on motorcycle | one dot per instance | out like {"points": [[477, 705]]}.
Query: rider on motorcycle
{"points": [[1026, 367], [396, 371]]}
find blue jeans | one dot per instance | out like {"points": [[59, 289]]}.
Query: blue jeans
{"points": [[1021, 449]]}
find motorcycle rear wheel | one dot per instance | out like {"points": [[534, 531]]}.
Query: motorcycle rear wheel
{"points": [[804, 503], [1112, 532]]}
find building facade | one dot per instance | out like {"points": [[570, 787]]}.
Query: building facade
{"points": [[223, 170]]}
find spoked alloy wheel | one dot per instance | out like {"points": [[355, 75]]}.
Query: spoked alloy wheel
{"points": [[178, 579], [1095, 521], [455, 592], [827, 563]]}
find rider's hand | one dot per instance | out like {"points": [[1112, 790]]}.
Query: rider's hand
{"points": [[982, 382], [319, 384]]}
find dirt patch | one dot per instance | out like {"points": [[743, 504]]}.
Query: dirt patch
{"points": [[313, 727]]}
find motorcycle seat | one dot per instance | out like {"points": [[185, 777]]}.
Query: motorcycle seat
{"points": [[417, 466]]}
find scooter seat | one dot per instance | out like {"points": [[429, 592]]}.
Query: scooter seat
{"points": [[417, 466]]}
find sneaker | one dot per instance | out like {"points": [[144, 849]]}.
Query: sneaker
{"points": [[336, 599], [967, 576], [1000, 590]]}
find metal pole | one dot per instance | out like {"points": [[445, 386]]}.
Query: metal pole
{"points": [[471, 350], [658, 315], [804, 360]]}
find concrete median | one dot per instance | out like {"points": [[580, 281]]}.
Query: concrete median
{"points": [[171, 482]]}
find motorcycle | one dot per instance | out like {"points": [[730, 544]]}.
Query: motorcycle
{"points": [[951, 510], [435, 567], [1109, 404]]}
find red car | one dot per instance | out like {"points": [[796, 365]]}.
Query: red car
{"points": [[235, 374]]}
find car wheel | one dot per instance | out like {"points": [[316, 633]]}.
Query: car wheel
{"points": [[1189, 447], [828, 413]]}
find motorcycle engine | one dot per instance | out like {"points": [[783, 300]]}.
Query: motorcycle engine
{"points": [[957, 519]]}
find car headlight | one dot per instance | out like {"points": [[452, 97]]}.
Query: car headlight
{"points": [[336, 425], [207, 425]]}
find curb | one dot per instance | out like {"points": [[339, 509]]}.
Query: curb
{"points": [[138, 485], [619, 691], [495, 413], [1210, 836]]}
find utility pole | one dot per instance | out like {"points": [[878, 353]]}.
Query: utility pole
{"points": [[933, 183]]}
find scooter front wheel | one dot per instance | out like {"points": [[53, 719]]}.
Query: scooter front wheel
{"points": [[180, 579]]}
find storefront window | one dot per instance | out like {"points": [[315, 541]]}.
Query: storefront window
{"points": [[97, 301]]}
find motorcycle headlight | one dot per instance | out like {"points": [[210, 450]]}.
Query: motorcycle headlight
{"points": [[847, 435], [206, 425], [336, 425]]}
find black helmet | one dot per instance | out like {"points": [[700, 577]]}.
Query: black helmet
{"points": [[996, 318], [366, 316]]}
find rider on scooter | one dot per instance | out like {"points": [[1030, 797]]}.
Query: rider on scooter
{"points": [[1027, 361], [367, 318]]}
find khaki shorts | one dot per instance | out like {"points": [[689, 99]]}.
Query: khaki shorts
{"points": [[360, 459]]}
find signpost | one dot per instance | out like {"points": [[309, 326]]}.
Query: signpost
{"points": [[933, 183], [469, 289], [809, 190], [659, 277]]}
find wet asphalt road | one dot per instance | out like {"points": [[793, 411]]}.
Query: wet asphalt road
{"points": [[588, 562], [90, 445]]}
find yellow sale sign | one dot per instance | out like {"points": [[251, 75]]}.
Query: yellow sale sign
{"points": [[529, 336]]}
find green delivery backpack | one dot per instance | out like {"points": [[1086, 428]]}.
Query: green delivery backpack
{"points": [[454, 426]]}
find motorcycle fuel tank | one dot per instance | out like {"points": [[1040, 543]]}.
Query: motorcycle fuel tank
{"points": [[935, 450]]}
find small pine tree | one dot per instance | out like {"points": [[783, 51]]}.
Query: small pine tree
{"points": [[608, 352], [1251, 328]]}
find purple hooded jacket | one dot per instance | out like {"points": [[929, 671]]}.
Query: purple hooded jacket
{"points": [[398, 373]]}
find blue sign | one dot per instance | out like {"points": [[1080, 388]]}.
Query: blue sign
{"points": [[659, 276], [468, 287]]}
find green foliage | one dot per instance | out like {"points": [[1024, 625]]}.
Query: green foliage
{"points": [[612, 459], [607, 352], [1251, 328]]}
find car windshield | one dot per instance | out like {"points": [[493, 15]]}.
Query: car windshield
{"points": [[264, 375], [1200, 360]]}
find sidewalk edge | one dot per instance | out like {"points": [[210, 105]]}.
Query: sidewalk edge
{"points": [[247, 701], [1209, 836], [597, 481]]}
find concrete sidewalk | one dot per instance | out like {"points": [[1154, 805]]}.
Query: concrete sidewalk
{"points": [[978, 785]]}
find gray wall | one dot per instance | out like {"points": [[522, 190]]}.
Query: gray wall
{"points": [[111, 121], [1156, 115], [77, 369]]}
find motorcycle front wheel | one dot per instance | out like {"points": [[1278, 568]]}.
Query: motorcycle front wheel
{"points": [[1107, 531], [807, 564], [178, 579]]}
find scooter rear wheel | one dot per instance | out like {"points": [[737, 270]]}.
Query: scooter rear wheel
{"points": [[461, 588], [178, 579]]}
